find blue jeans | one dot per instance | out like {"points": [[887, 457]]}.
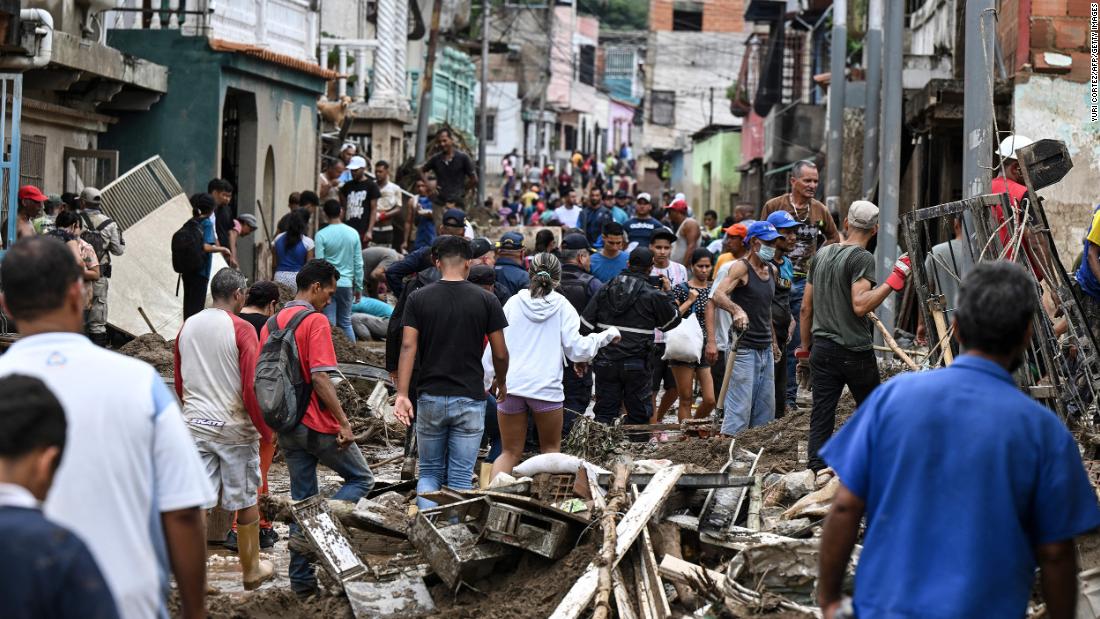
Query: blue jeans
{"points": [[798, 290], [750, 397], [492, 429], [448, 435], [303, 449], [338, 311]]}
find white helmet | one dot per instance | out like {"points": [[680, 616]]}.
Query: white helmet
{"points": [[1011, 144]]}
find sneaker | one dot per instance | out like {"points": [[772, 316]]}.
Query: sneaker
{"points": [[231, 541], [268, 537]]}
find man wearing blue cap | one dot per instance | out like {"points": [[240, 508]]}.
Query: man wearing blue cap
{"points": [[454, 224], [782, 316], [511, 272], [746, 293]]}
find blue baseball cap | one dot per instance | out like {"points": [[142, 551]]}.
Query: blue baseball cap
{"points": [[454, 218], [510, 240], [762, 230], [782, 219]]}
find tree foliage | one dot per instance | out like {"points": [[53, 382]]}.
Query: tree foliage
{"points": [[618, 14]]}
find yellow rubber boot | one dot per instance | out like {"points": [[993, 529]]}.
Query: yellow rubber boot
{"points": [[254, 571]]}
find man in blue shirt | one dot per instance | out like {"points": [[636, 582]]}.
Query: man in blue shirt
{"points": [[454, 224], [641, 226], [511, 272], [339, 245], [966, 482], [611, 260], [47, 570], [594, 216]]}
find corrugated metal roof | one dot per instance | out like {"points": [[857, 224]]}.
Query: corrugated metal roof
{"points": [[221, 45]]}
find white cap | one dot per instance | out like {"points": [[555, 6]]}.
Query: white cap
{"points": [[863, 215], [357, 163], [644, 196], [348, 145], [1011, 144]]}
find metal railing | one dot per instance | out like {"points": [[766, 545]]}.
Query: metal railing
{"points": [[139, 192]]}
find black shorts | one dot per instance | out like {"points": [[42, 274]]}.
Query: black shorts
{"points": [[662, 370]]}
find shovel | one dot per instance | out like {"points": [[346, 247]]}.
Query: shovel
{"points": [[731, 357]]}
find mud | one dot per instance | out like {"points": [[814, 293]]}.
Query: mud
{"points": [[152, 349], [533, 589], [347, 351], [779, 439], [286, 293]]}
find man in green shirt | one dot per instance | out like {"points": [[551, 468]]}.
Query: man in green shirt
{"points": [[338, 244], [840, 293]]}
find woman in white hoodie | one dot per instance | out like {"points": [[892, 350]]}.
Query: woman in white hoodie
{"points": [[543, 331]]}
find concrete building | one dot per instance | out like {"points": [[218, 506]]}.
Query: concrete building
{"points": [[692, 56], [73, 93], [504, 129], [240, 103], [715, 155]]}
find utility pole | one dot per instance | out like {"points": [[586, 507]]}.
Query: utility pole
{"points": [[541, 127], [710, 120], [873, 57], [835, 143], [484, 111], [424, 112], [890, 175], [977, 98]]}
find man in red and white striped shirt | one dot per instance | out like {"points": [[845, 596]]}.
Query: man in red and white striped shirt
{"points": [[215, 363]]}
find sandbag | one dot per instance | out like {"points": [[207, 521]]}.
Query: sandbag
{"points": [[685, 342]]}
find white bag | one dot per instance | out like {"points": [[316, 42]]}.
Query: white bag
{"points": [[685, 342]]}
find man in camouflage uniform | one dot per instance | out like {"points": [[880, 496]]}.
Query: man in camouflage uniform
{"points": [[96, 222]]}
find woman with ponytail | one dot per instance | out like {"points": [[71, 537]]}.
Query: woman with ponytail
{"points": [[543, 331]]}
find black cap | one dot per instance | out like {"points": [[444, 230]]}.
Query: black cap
{"points": [[510, 240], [576, 240], [480, 246], [454, 218], [662, 233], [641, 258], [621, 194], [482, 275]]}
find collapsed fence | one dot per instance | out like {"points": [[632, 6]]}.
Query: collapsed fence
{"points": [[946, 240]]}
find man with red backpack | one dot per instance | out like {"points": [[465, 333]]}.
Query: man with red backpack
{"points": [[317, 430]]}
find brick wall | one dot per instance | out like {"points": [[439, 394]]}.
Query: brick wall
{"points": [[724, 16], [1062, 26], [718, 15]]}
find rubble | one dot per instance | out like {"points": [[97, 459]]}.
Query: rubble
{"points": [[152, 349]]}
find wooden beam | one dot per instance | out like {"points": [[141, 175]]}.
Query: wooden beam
{"points": [[628, 530]]}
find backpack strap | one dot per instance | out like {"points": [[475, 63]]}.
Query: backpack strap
{"points": [[297, 319], [106, 222]]}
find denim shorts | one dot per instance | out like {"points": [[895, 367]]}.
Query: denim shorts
{"points": [[515, 405]]}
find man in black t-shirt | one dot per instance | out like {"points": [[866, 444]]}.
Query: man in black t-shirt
{"points": [[360, 199], [454, 171], [446, 324]]}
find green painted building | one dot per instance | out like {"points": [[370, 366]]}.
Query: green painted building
{"points": [[234, 111], [453, 92], [715, 157]]}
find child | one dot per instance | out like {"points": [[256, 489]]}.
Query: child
{"points": [[45, 570], [424, 222]]}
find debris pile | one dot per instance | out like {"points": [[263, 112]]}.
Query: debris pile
{"points": [[152, 349]]}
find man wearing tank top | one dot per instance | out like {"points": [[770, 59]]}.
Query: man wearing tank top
{"points": [[688, 232], [746, 293]]}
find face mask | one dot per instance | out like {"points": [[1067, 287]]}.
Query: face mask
{"points": [[766, 253]]}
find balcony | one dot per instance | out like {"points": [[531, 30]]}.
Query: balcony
{"points": [[287, 27]]}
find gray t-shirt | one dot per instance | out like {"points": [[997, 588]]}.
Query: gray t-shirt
{"points": [[374, 257], [832, 273], [948, 263]]}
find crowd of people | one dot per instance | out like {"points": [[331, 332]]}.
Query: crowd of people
{"points": [[625, 309]]}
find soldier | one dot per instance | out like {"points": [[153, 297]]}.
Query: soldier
{"points": [[105, 236]]}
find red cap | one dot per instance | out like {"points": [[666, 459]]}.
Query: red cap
{"points": [[30, 192], [679, 205]]}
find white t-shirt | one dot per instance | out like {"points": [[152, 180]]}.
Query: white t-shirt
{"points": [[215, 362], [128, 458], [391, 199], [676, 274], [722, 319], [568, 216]]}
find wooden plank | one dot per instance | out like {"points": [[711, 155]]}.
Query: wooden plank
{"points": [[745, 491], [647, 607], [944, 341], [623, 603], [756, 500], [685, 572], [628, 530], [649, 566]]}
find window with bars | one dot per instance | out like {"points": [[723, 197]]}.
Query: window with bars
{"points": [[586, 65], [32, 160]]}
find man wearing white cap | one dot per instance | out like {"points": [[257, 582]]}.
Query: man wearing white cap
{"points": [[359, 197], [840, 292], [1012, 183]]}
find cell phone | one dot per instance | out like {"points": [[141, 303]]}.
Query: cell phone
{"points": [[655, 281]]}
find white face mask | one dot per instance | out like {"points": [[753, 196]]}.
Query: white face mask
{"points": [[766, 253]]}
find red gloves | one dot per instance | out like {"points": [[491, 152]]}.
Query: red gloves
{"points": [[901, 271]]}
